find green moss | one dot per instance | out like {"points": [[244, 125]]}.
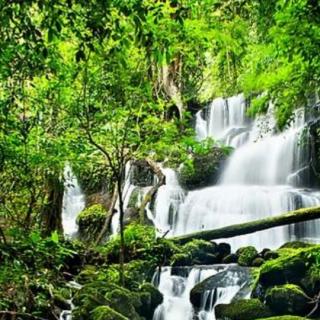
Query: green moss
{"points": [[246, 255], [201, 169], [287, 299], [90, 222], [107, 313], [296, 245], [250, 309]]}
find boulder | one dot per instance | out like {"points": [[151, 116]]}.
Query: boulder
{"points": [[257, 262], [249, 309], [150, 298], [296, 245], [90, 221], [288, 299], [283, 270], [233, 275], [246, 255], [203, 171], [224, 249], [271, 255], [106, 313], [230, 258]]}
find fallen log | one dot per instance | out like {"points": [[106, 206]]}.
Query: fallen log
{"points": [[300, 215]]}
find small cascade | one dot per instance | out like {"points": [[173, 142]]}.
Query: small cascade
{"points": [[128, 189], [73, 203], [267, 174], [169, 198], [176, 289]]}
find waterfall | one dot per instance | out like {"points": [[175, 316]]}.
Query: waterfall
{"points": [[73, 203], [267, 174], [176, 291]]}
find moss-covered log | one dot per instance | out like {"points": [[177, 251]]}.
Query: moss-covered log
{"points": [[291, 217]]}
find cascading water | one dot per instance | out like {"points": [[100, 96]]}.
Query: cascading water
{"points": [[73, 203], [265, 175], [176, 290]]}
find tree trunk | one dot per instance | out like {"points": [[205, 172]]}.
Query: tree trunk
{"points": [[151, 193], [295, 216], [108, 220], [52, 211]]}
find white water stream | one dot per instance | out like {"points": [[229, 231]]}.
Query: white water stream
{"points": [[73, 203]]}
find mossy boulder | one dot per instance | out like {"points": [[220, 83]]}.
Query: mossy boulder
{"points": [[287, 299], [224, 249], [150, 298], [296, 245], [283, 270], [203, 170], [196, 252], [246, 255], [90, 222], [270, 255], [257, 262], [249, 309], [107, 313], [230, 258], [125, 302]]}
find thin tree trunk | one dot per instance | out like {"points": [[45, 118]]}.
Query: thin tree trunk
{"points": [[107, 222], [150, 194], [291, 217]]}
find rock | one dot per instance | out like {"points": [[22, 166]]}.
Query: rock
{"points": [[230, 258], [296, 245], [203, 171], [141, 175], [124, 302], [150, 298], [271, 255], [102, 198], [257, 262], [288, 299], [201, 252], [249, 309], [131, 215], [181, 260], [90, 221], [224, 249], [231, 276], [282, 270], [107, 313], [246, 255]]}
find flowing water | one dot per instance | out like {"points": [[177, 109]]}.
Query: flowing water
{"points": [[176, 290], [267, 174], [73, 203]]}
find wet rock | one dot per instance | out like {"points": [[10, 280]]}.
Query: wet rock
{"points": [[288, 299], [233, 275], [249, 309], [142, 175], [204, 169], [257, 262], [224, 249], [282, 270], [107, 313], [296, 245], [271, 255], [230, 258], [150, 298], [246, 255]]}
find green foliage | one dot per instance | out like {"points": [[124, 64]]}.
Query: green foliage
{"points": [[31, 270]]}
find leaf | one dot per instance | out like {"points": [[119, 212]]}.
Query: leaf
{"points": [[55, 237]]}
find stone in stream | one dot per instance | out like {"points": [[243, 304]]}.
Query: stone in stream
{"points": [[232, 276]]}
